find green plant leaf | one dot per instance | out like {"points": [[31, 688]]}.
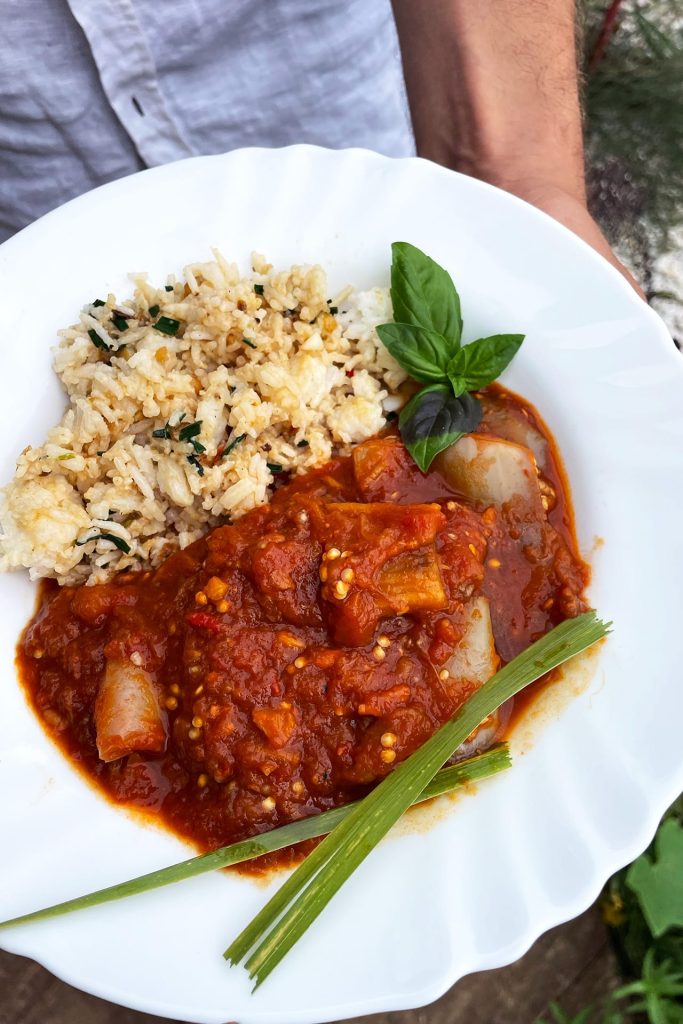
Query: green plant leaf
{"points": [[612, 1015], [475, 365], [658, 991], [560, 1017], [433, 419], [422, 353], [658, 883], [423, 293], [660, 45]]}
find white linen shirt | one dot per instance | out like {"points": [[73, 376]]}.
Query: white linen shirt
{"points": [[91, 90]]}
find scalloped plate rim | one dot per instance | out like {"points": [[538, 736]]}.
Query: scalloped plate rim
{"points": [[642, 831]]}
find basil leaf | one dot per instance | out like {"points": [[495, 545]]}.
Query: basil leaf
{"points": [[433, 419], [422, 353], [477, 364], [423, 294]]}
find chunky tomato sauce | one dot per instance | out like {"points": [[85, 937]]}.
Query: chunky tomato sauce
{"points": [[284, 664]]}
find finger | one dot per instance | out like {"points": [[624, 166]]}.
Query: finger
{"points": [[575, 216], [586, 228]]}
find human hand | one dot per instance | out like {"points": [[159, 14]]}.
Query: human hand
{"points": [[571, 211], [494, 92]]}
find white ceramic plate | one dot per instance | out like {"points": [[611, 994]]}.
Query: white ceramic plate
{"points": [[533, 847]]}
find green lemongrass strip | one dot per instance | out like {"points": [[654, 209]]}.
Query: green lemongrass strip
{"points": [[307, 892], [474, 769]]}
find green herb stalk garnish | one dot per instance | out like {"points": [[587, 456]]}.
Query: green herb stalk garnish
{"points": [[116, 541], [473, 770], [426, 341], [97, 341], [189, 433], [285, 918], [119, 322], [166, 431], [167, 325], [233, 444], [190, 430]]}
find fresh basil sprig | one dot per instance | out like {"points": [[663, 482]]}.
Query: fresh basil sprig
{"points": [[425, 340]]}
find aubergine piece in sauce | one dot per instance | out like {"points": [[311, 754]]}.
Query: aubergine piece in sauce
{"points": [[476, 660], [488, 470], [128, 716], [509, 421]]}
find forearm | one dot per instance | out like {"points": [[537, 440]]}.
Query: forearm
{"points": [[493, 90]]}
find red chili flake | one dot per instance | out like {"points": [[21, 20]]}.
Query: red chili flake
{"points": [[219, 453], [350, 373], [202, 620]]}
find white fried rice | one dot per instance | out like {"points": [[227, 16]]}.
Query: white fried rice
{"points": [[315, 382]]}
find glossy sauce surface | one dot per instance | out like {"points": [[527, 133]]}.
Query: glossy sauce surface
{"points": [[291, 660]]}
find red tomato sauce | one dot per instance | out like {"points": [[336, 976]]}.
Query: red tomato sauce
{"points": [[283, 664]]}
